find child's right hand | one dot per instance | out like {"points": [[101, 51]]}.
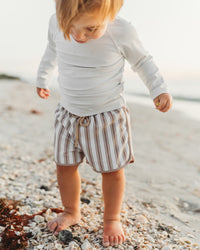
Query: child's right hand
{"points": [[43, 93]]}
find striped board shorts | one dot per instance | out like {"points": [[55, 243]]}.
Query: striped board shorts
{"points": [[104, 139]]}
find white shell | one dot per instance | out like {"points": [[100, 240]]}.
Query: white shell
{"points": [[141, 219], [166, 248], [38, 219], [73, 246], [86, 245]]}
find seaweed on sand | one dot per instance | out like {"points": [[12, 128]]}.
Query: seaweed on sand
{"points": [[13, 236]]}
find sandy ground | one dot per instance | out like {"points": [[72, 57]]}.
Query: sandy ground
{"points": [[166, 172]]}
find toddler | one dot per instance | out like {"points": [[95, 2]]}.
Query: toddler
{"points": [[90, 45]]}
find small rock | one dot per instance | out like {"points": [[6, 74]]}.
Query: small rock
{"points": [[5, 147], [17, 233], [41, 160], [166, 248], [163, 227], [40, 247], [86, 245], [141, 219], [149, 246], [65, 236], [185, 205], [58, 246], [2, 229], [73, 246], [50, 246], [42, 225], [85, 200], [45, 188], [76, 238], [49, 218], [34, 242], [191, 236], [48, 212], [150, 239], [38, 219], [186, 240], [35, 112]]}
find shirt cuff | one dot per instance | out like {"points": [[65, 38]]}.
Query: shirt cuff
{"points": [[159, 90]]}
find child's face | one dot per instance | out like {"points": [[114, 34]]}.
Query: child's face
{"points": [[87, 27]]}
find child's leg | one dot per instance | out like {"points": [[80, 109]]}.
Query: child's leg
{"points": [[69, 183], [113, 185]]}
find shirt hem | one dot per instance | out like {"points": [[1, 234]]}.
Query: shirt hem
{"points": [[93, 112]]}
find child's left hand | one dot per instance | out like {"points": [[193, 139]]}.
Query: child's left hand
{"points": [[163, 102]]}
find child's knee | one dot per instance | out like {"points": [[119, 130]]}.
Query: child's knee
{"points": [[61, 168], [115, 174]]}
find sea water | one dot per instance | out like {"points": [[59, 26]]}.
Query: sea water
{"points": [[185, 91]]}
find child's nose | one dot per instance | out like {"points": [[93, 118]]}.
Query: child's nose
{"points": [[80, 36]]}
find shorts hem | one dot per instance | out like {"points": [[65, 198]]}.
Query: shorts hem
{"points": [[72, 164], [114, 170]]}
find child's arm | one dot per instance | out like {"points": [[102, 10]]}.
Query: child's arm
{"points": [[142, 63], [47, 64]]}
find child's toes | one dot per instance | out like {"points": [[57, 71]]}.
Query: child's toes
{"points": [[120, 239], [106, 241], [123, 238], [116, 241], [58, 229], [52, 226], [112, 243]]}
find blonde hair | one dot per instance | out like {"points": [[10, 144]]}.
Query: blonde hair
{"points": [[68, 10]]}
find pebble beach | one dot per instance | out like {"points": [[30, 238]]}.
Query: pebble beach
{"points": [[161, 208]]}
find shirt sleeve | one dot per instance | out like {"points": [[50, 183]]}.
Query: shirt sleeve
{"points": [[48, 61], [141, 61]]}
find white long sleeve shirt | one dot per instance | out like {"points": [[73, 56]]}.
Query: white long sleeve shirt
{"points": [[90, 75]]}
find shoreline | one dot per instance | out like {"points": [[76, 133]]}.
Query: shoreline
{"points": [[163, 184], [187, 106], [189, 109]]}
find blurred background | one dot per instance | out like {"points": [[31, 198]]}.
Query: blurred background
{"points": [[168, 29]]}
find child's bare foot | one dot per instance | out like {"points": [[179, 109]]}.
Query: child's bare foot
{"points": [[63, 221], [113, 233]]}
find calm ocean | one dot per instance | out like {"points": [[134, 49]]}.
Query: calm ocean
{"points": [[185, 92]]}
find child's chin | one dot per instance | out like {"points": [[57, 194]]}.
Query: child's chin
{"points": [[81, 41]]}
